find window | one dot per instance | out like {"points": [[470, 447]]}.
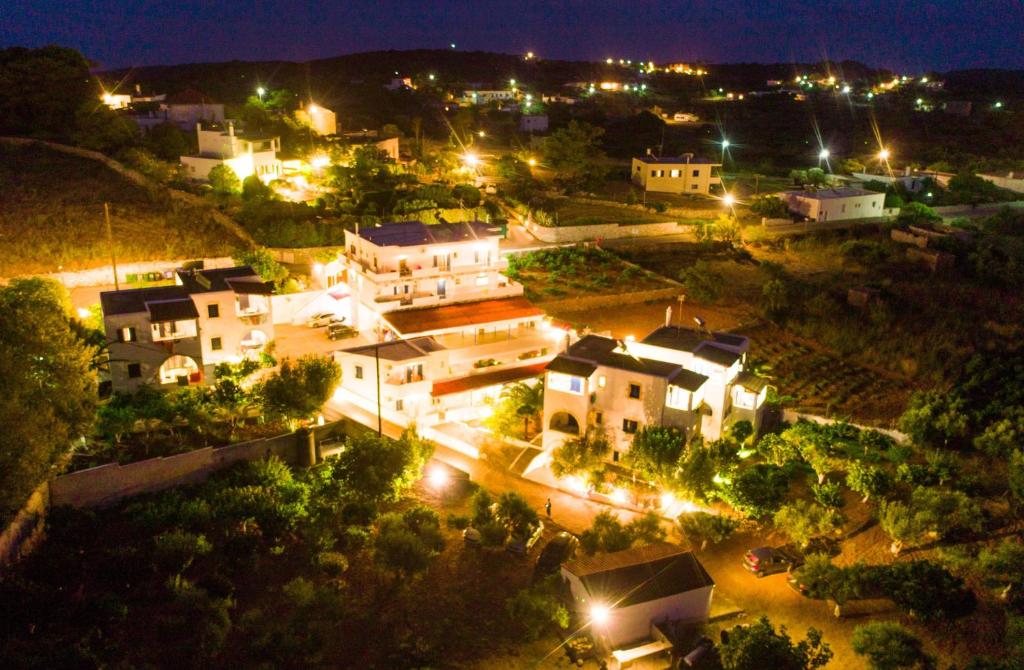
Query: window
{"points": [[634, 391], [615, 456], [134, 370], [126, 334], [629, 426], [674, 173], [566, 383], [696, 173], [213, 310], [359, 372], [693, 187], [601, 381], [654, 173], [599, 418], [398, 405], [216, 343]]}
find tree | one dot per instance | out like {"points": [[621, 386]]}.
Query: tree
{"points": [[407, 542], [696, 472], [819, 577], [943, 512], [519, 405], [167, 142], [777, 450], [224, 180], [375, 469], [927, 591], [646, 529], [1002, 567], [759, 646], [262, 263], [253, 188], [1015, 477], [49, 393], [889, 646], [917, 214], [756, 491], [770, 207], [804, 521], [655, 452], [581, 455], [573, 152], [299, 389], [518, 516], [606, 534], [702, 283], [867, 480], [536, 607], [706, 528], [901, 524], [43, 90], [775, 300]]}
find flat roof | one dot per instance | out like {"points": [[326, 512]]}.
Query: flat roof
{"points": [[205, 281], [688, 339], [571, 366], [676, 160], [709, 352], [602, 351], [458, 315], [751, 382], [132, 301], [398, 350], [687, 379], [830, 193], [416, 233], [483, 380], [172, 310], [640, 574]]}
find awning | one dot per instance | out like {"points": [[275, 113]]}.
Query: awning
{"points": [[486, 379]]}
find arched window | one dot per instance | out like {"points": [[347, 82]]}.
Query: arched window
{"points": [[564, 422], [180, 370]]}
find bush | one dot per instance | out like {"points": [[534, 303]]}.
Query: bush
{"points": [[888, 646], [332, 563], [756, 491], [706, 528], [457, 521], [175, 550], [828, 494], [702, 283]]}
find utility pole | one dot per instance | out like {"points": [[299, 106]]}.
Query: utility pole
{"points": [[376, 357], [110, 244]]}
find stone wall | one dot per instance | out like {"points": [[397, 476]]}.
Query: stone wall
{"points": [[104, 276], [605, 231], [791, 416]]}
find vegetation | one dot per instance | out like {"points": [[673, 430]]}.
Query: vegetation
{"points": [[759, 645], [562, 272], [706, 528], [299, 389], [584, 455], [518, 410], [48, 364], [608, 534], [889, 646]]}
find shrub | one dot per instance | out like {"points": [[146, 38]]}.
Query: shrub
{"points": [[706, 528], [457, 521], [175, 550], [828, 494], [756, 491], [702, 283], [332, 563]]}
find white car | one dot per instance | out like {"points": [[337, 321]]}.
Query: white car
{"points": [[321, 319]]}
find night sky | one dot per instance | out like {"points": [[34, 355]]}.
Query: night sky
{"points": [[907, 36]]}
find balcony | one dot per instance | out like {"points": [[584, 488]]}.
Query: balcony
{"points": [[169, 331]]}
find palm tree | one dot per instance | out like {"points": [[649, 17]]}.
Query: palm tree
{"points": [[528, 400]]}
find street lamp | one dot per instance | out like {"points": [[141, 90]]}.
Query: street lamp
{"points": [[512, 82], [532, 162], [480, 133], [599, 614], [883, 155], [728, 200], [437, 477], [823, 154], [259, 93], [470, 160], [725, 144]]}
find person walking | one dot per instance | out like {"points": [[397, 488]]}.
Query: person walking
{"points": [[547, 508]]}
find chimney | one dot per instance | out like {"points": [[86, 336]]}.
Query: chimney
{"points": [[688, 157]]}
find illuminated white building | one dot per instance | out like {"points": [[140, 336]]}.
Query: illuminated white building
{"points": [[168, 336], [452, 328], [246, 156], [322, 120], [687, 379]]}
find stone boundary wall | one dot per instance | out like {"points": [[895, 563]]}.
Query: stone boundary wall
{"points": [[793, 416], [104, 276], [614, 300], [993, 207], [606, 231], [108, 484], [301, 255]]}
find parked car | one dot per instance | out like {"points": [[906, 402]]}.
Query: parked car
{"points": [[560, 549], [520, 545], [771, 560], [321, 319], [336, 330]]}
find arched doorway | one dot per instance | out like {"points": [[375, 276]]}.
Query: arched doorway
{"points": [[180, 370], [564, 422]]}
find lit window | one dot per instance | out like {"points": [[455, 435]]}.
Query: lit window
{"points": [[674, 173], [126, 334], [601, 381]]}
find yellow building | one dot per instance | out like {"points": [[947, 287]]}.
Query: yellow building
{"points": [[679, 174]]}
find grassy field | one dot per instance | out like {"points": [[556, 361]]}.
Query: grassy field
{"points": [[583, 212], [575, 272], [52, 217]]}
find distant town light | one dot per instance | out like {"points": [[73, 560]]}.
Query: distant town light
{"points": [[998, 105], [870, 95], [823, 154], [846, 88], [529, 55], [480, 133], [532, 162], [920, 101], [430, 77], [924, 80], [883, 155], [452, 45], [599, 614], [260, 91], [512, 82], [608, 61], [725, 144]]}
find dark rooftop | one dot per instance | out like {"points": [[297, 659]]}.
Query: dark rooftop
{"points": [[640, 574], [676, 160], [571, 366], [415, 233], [132, 301], [399, 350], [751, 382], [189, 96], [687, 379], [828, 193], [688, 339], [172, 310], [485, 379], [602, 350], [203, 281], [709, 351]]}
